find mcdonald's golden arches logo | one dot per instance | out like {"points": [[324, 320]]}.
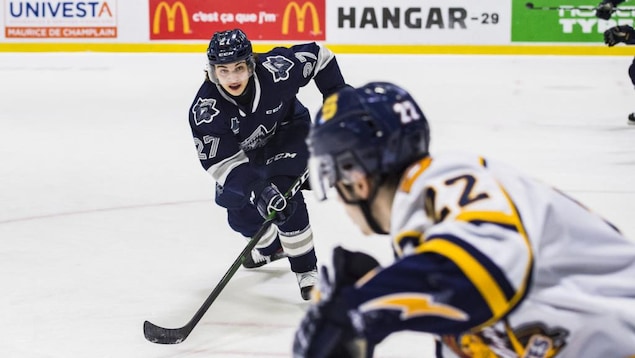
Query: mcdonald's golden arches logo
{"points": [[170, 11], [301, 12]]}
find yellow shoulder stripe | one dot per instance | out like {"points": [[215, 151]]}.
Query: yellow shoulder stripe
{"points": [[473, 270]]}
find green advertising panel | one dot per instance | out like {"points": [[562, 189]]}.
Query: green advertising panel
{"points": [[563, 21]]}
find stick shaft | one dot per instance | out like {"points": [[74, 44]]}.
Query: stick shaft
{"points": [[156, 334]]}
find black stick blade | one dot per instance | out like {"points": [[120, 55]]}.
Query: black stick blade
{"points": [[160, 335], [529, 5]]}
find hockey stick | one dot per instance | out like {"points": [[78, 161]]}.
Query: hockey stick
{"points": [[531, 6], [156, 334]]}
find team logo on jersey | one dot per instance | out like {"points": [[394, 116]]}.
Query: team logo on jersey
{"points": [[280, 156], [204, 110], [307, 69], [537, 340], [413, 304], [274, 110], [258, 138], [304, 57], [279, 66]]}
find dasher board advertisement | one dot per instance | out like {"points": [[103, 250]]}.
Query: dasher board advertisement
{"points": [[573, 21], [270, 20], [419, 22], [68, 19]]}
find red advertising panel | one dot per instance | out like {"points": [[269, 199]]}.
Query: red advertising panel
{"points": [[275, 20]]}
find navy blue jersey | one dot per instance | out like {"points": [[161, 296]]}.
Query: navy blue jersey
{"points": [[229, 137]]}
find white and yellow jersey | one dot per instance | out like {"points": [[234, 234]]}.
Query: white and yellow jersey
{"points": [[524, 269]]}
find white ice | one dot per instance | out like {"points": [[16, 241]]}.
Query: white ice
{"points": [[107, 218]]}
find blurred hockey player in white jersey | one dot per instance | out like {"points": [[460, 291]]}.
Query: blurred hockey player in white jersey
{"points": [[490, 261]]}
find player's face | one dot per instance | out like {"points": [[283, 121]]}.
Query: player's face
{"points": [[233, 77]]}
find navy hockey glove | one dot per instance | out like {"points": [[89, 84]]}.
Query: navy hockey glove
{"points": [[327, 329], [605, 9], [617, 34], [268, 199], [350, 266]]}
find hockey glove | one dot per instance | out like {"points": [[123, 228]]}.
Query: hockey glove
{"points": [[617, 34], [605, 9], [268, 199], [327, 329], [350, 266]]}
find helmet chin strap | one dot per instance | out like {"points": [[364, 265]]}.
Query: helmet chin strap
{"points": [[365, 206], [370, 219]]}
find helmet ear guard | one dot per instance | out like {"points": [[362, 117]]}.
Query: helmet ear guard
{"points": [[209, 71]]}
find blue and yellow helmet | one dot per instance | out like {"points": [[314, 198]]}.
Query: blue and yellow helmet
{"points": [[377, 130]]}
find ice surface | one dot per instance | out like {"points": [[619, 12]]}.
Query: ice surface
{"points": [[107, 219]]}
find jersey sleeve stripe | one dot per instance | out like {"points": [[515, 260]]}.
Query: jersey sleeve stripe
{"points": [[485, 283], [511, 221], [220, 171], [494, 270], [518, 222], [324, 57]]}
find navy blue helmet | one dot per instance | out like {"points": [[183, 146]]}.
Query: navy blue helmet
{"points": [[228, 47], [376, 130]]}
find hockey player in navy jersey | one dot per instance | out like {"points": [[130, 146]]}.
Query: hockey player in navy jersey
{"points": [[490, 261], [250, 129], [618, 34]]}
